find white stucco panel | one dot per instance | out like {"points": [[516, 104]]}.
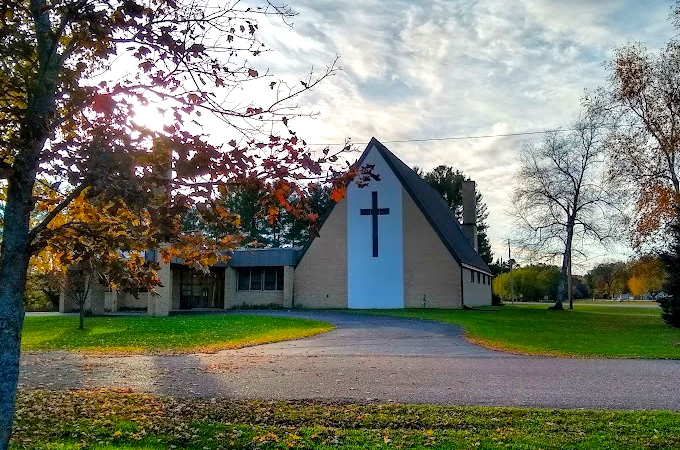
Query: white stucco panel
{"points": [[375, 281]]}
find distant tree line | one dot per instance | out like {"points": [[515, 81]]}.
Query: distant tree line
{"points": [[534, 283], [640, 277]]}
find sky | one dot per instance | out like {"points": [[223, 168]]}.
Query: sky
{"points": [[435, 68]]}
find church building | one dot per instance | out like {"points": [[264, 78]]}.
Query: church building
{"points": [[393, 243]]}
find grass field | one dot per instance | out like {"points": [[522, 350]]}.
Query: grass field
{"points": [[588, 330], [135, 334], [115, 420]]}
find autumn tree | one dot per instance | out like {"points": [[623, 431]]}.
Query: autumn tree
{"points": [[561, 200], [449, 183], [609, 278], [646, 276], [642, 101], [73, 75]]}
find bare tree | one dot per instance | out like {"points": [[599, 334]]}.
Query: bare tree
{"points": [[561, 201]]}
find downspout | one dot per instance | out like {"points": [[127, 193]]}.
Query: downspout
{"points": [[462, 289]]}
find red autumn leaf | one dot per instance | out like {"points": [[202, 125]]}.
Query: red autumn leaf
{"points": [[193, 98], [103, 103]]}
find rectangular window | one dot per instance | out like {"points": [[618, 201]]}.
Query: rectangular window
{"points": [[256, 279], [244, 279], [270, 279], [490, 279], [472, 276], [260, 278], [279, 278], [479, 277]]}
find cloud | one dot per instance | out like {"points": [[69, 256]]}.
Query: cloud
{"points": [[441, 68]]}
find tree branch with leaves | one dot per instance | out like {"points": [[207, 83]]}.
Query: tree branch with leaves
{"points": [[73, 75]]}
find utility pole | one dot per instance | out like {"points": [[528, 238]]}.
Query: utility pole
{"points": [[500, 281], [512, 285]]}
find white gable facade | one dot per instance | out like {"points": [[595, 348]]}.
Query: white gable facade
{"points": [[375, 240]]}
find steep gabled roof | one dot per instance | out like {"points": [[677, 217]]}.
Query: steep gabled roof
{"points": [[433, 207]]}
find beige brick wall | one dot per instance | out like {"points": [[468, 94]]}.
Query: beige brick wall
{"points": [[429, 268], [321, 276], [257, 298], [234, 298], [129, 301], [475, 294]]}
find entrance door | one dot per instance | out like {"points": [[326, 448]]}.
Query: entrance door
{"points": [[201, 290]]}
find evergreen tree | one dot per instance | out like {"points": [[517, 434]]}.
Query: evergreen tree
{"points": [[449, 183], [671, 304], [246, 201]]}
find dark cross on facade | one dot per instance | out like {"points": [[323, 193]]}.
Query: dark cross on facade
{"points": [[374, 212]]}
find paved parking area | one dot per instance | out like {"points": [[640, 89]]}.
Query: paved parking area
{"points": [[369, 358]]}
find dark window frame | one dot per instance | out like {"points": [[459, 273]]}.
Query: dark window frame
{"points": [[245, 282]]}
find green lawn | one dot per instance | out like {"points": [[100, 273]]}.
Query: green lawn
{"points": [[604, 331], [135, 334], [113, 420]]}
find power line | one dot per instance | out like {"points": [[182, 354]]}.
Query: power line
{"points": [[459, 138]]}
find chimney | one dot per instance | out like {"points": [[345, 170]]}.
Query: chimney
{"points": [[470, 212]]}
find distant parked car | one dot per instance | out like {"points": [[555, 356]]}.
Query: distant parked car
{"points": [[624, 297]]}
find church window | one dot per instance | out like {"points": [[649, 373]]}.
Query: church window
{"points": [[279, 278], [270, 278], [472, 276], [244, 279], [479, 277], [260, 278], [256, 278]]}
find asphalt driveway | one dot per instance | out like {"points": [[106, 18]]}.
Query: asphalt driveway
{"points": [[369, 358]]}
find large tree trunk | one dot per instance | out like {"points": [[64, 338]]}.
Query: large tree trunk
{"points": [[561, 286], [15, 253], [570, 286], [565, 274], [14, 258]]}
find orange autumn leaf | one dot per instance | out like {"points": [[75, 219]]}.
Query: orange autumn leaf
{"points": [[338, 194]]}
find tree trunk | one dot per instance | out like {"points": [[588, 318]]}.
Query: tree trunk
{"points": [[15, 253], [570, 287], [14, 257], [561, 286], [81, 318], [565, 272]]}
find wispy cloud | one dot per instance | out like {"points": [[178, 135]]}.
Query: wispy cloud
{"points": [[450, 68]]}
